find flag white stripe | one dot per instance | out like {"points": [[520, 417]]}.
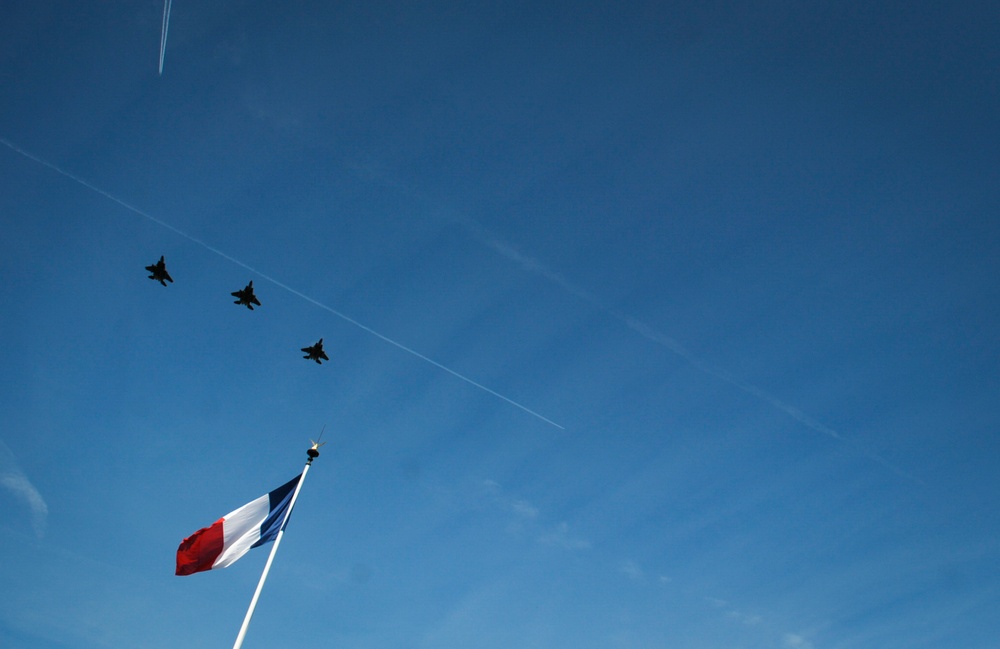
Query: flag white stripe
{"points": [[241, 529]]}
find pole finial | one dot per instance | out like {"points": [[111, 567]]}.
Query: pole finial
{"points": [[313, 451]]}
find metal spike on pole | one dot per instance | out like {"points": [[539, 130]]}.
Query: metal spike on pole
{"points": [[313, 453]]}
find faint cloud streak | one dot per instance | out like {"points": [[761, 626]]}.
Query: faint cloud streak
{"points": [[14, 480], [795, 641], [524, 509], [749, 619], [527, 516], [560, 536], [632, 570], [520, 508]]}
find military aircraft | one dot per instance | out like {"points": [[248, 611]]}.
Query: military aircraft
{"points": [[316, 352], [159, 272], [245, 296]]}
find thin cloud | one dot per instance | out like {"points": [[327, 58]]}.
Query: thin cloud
{"points": [[749, 619], [795, 641], [17, 483], [528, 517], [521, 508], [524, 509], [632, 570], [560, 536]]}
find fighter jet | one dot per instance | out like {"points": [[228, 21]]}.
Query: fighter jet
{"points": [[245, 296], [316, 352], [159, 272]]}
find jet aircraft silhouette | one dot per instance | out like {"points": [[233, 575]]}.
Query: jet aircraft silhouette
{"points": [[316, 352], [159, 272], [245, 296]]}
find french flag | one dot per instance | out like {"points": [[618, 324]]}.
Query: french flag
{"points": [[229, 538]]}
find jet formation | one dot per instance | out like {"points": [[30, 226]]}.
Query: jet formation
{"points": [[244, 296]]}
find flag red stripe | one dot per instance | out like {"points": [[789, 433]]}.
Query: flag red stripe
{"points": [[200, 550]]}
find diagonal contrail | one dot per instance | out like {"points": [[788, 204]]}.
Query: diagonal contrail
{"points": [[163, 31], [534, 266], [641, 328], [288, 288]]}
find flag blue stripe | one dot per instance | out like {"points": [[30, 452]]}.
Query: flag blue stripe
{"points": [[279, 500]]}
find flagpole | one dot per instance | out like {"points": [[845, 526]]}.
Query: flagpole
{"points": [[313, 453]]}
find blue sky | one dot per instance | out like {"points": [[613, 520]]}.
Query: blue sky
{"points": [[650, 324]]}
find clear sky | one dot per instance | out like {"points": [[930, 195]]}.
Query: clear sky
{"points": [[651, 325]]}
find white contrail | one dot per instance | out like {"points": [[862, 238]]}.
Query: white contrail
{"points": [[651, 334], [288, 288], [647, 332], [163, 31], [644, 330], [534, 266]]}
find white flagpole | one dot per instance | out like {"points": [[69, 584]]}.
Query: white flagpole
{"points": [[313, 454]]}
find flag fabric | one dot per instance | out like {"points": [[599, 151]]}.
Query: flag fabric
{"points": [[229, 538]]}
